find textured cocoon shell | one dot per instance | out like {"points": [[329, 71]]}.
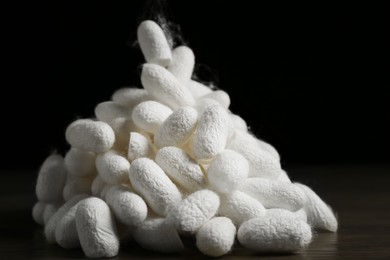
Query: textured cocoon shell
{"points": [[96, 228], [51, 225], [204, 103], [319, 214], [130, 97], [240, 207], [139, 146], [122, 128], [153, 43], [177, 128], [227, 171], [182, 65], [212, 132], [150, 115], [274, 194], [37, 212], [238, 123], [77, 185], [66, 231], [51, 179], [300, 214], [89, 135], [283, 177], [49, 211], [150, 181], [198, 89], [112, 167], [164, 87], [128, 207], [220, 96], [275, 234], [261, 163], [157, 235], [181, 168], [268, 148], [97, 186], [216, 237], [194, 211], [108, 111], [80, 163]]}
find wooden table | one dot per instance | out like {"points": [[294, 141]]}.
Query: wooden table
{"points": [[359, 194]]}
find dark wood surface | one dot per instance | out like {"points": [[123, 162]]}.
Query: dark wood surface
{"points": [[359, 194]]}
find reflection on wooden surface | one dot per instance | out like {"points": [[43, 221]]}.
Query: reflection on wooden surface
{"points": [[360, 195]]}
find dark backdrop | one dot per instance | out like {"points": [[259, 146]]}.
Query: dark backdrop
{"points": [[311, 80]]}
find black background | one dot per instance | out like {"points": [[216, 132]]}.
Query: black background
{"points": [[311, 80]]}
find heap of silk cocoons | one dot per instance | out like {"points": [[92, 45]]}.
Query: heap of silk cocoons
{"points": [[168, 161]]}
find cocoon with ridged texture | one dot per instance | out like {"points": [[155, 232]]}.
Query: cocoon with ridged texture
{"points": [[155, 234], [274, 194], [80, 163], [197, 89], [216, 237], [275, 234], [240, 207], [227, 171], [112, 167], [51, 179], [66, 231], [153, 43], [319, 214], [37, 212], [129, 208], [89, 135], [164, 87], [108, 111], [220, 96], [150, 181], [96, 228], [139, 146], [177, 128], [182, 65], [150, 115], [77, 185], [212, 132], [51, 225], [300, 214], [181, 168], [268, 148], [261, 163], [130, 97], [194, 211]]}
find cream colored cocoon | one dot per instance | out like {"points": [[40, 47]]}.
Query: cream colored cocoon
{"points": [[155, 234], [139, 146], [109, 110], [177, 128], [181, 168], [150, 181], [112, 167], [150, 115], [128, 207], [164, 87], [212, 132], [261, 163], [194, 211], [51, 179], [89, 135], [268, 148], [283, 177], [220, 96], [238, 123], [216, 237], [130, 97], [275, 234], [300, 214], [80, 163], [240, 207], [122, 128], [51, 225], [319, 214], [182, 65], [198, 89], [96, 229], [77, 185], [49, 211], [153, 43], [37, 212], [274, 194], [227, 171]]}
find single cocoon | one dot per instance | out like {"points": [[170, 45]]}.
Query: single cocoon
{"points": [[139, 146], [150, 115], [108, 111], [130, 97], [80, 163], [112, 167], [182, 65]]}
